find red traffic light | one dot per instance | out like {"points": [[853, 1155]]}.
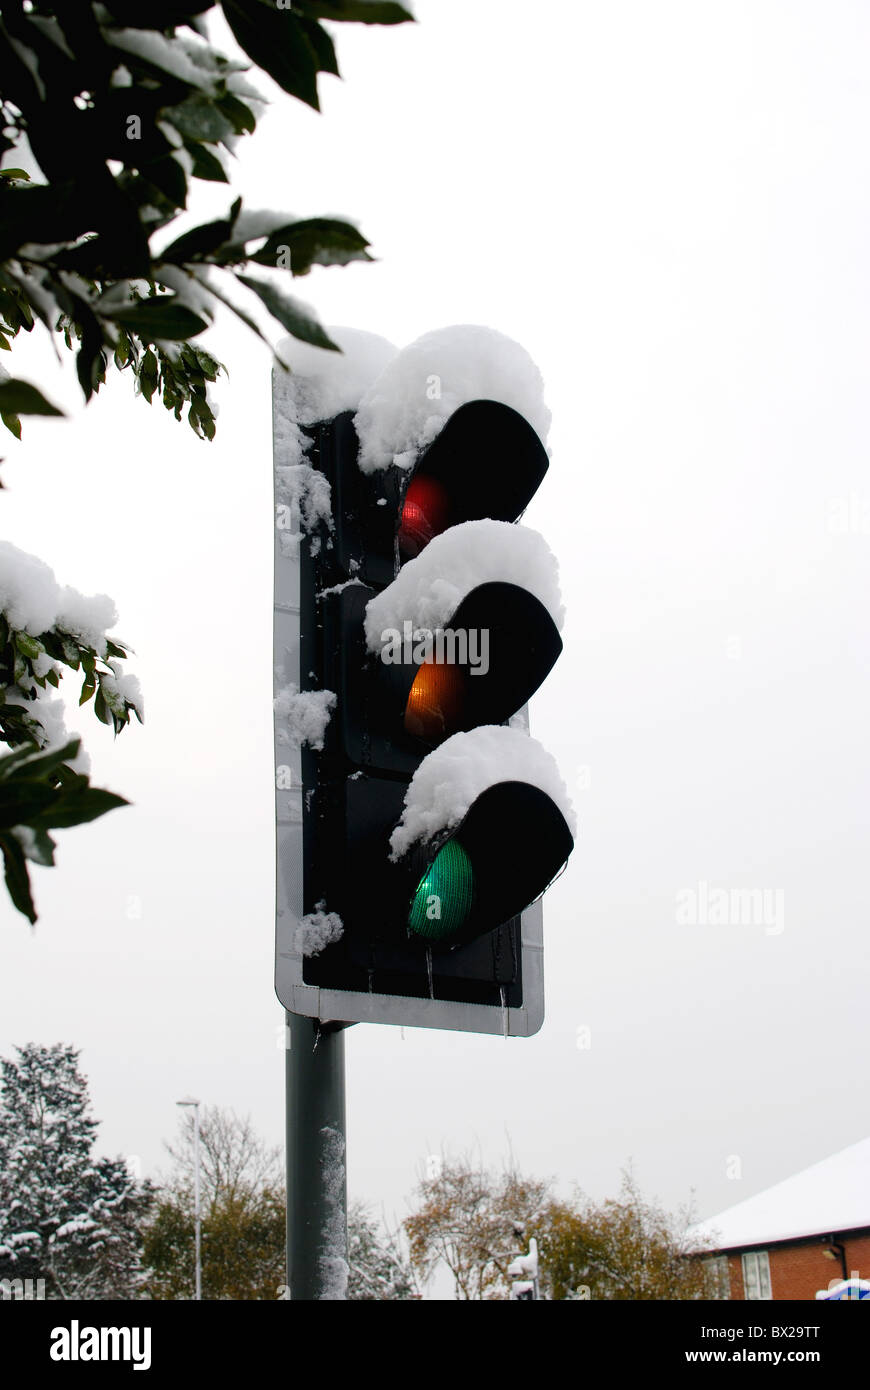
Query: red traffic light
{"points": [[425, 514]]}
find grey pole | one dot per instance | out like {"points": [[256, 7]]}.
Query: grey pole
{"points": [[197, 1209], [316, 1167]]}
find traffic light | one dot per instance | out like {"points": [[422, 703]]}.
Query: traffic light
{"points": [[419, 823], [523, 1272]]}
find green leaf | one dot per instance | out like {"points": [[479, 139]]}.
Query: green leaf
{"points": [[100, 708], [359, 11], [240, 313], [243, 119], [20, 801], [206, 165], [322, 44], [17, 878], [12, 423], [20, 398], [209, 365], [200, 418], [198, 242], [169, 179], [89, 685], [315, 241], [78, 807], [162, 317], [277, 41], [148, 374], [16, 175], [29, 646], [90, 368], [290, 313]]}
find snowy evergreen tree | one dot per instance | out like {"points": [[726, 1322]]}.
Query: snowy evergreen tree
{"points": [[65, 1216]]}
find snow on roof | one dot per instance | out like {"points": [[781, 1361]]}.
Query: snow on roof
{"points": [[830, 1196], [451, 778], [424, 384], [471, 554]]}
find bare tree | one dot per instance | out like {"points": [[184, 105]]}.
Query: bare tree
{"points": [[474, 1222], [236, 1165], [623, 1248]]}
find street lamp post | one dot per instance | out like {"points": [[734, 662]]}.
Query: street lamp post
{"points": [[197, 1218]]}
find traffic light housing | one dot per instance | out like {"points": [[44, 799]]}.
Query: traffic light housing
{"points": [[389, 604]]}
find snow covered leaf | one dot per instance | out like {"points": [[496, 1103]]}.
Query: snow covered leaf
{"points": [[199, 117], [157, 51], [33, 764]]}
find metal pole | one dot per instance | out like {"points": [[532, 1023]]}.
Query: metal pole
{"points": [[316, 1167], [193, 1105], [197, 1214]]}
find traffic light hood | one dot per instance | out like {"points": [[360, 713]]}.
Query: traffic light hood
{"points": [[428, 590], [451, 778], [487, 461], [423, 386], [507, 849]]}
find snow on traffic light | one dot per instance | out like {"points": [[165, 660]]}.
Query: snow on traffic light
{"points": [[418, 823]]}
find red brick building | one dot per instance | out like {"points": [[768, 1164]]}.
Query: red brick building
{"points": [[798, 1237]]}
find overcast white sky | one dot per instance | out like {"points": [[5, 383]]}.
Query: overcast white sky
{"points": [[668, 204]]}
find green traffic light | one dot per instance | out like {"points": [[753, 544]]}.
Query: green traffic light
{"points": [[444, 896]]}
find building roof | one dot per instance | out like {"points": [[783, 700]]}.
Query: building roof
{"points": [[830, 1196]]}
